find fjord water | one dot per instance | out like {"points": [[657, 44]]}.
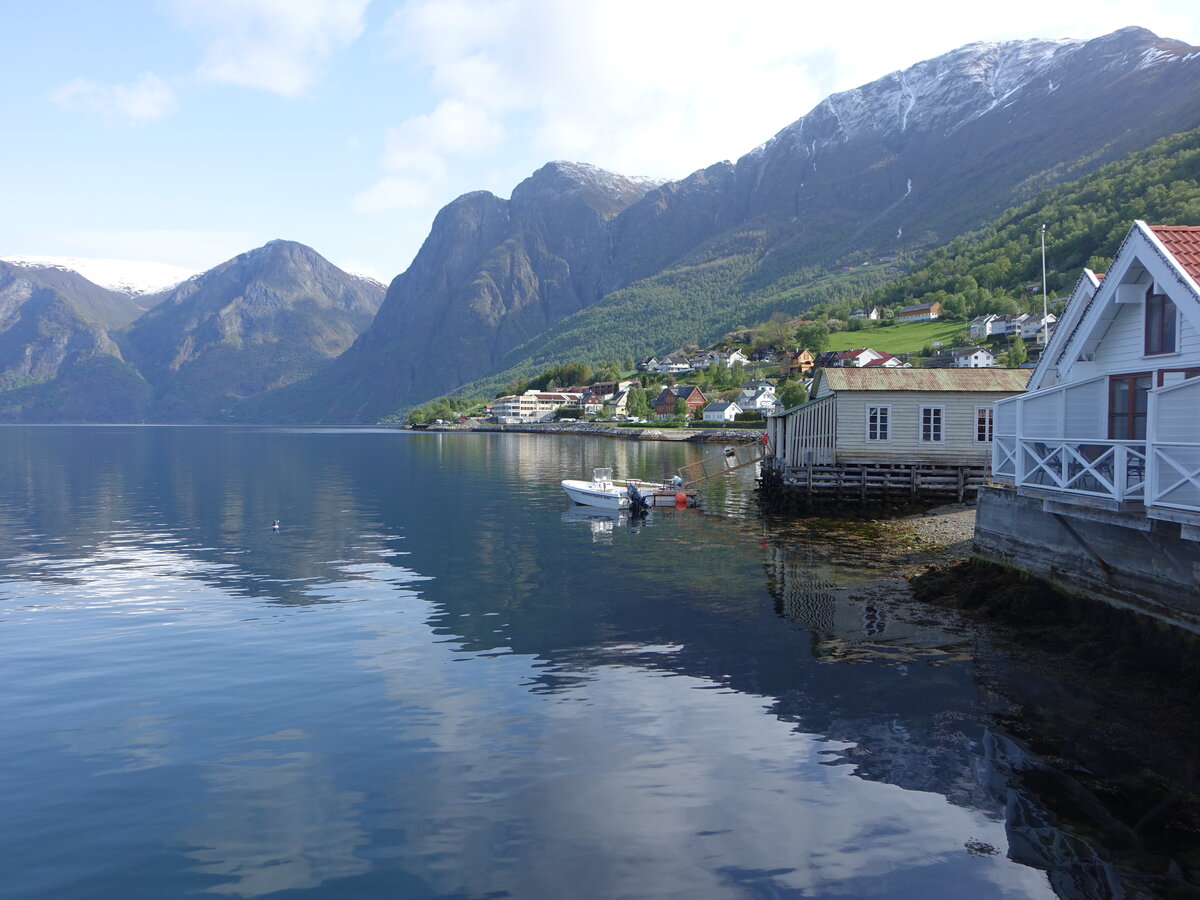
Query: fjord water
{"points": [[436, 679]]}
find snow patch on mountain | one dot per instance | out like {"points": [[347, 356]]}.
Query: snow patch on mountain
{"points": [[942, 94], [132, 277]]}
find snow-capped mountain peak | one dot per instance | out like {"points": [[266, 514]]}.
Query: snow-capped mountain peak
{"points": [[130, 277]]}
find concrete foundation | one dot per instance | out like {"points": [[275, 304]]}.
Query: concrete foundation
{"points": [[1120, 558]]}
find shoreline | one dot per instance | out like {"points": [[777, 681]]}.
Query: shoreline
{"points": [[696, 435]]}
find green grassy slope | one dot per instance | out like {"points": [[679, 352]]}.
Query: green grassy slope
{"points": [[896, 339]]}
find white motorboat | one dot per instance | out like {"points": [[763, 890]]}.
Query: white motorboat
{"points": [[601, 491], [604, 492]]}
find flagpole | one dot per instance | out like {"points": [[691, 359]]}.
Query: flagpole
{"points": [[1045, 302]]}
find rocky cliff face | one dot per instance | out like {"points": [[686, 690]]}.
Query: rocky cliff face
{"points": [[491, 274], [262, 320], [906, 161]]}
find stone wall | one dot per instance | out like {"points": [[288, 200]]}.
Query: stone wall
{"points": [[1126, 560]]}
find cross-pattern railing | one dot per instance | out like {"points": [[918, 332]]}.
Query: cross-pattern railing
{"points": [[1114, 470], [1175, 479]]}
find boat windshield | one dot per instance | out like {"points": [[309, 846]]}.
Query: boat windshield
{"points": [[601, 475]]}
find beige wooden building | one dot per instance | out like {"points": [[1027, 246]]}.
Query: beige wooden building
{"points": [[878, 416]]}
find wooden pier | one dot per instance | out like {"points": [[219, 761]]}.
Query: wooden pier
{"points": [[802, 487]]}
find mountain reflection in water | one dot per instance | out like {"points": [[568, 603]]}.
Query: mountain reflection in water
{"points": [[434, 681]]}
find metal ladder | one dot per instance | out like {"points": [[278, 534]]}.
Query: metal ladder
{"points": [[731, 459]]}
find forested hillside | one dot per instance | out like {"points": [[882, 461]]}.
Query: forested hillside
{"points": [[1085, 222]]}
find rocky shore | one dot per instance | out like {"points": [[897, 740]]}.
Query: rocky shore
{"points": [[708, 435]]}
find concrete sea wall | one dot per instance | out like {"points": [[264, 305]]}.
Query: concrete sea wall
{"points": [[1123, 560]]}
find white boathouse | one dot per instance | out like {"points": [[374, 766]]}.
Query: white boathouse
{"points": [[902, 434]]}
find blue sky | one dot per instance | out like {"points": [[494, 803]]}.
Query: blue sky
{"points": [[187, 131]]}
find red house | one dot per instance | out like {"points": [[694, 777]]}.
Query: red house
{"points": [[664, 403]]}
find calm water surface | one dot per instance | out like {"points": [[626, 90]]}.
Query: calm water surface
{"points": [[437, 679]]}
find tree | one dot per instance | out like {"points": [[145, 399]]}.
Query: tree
{"points": [[778, 330], [681, 407], [813, 336], [637, 405], [1016, 355], [792, 394]]}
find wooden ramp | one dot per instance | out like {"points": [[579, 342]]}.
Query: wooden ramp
{"points": [[733, 457]]}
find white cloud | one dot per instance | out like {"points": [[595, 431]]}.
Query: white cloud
{"points": [[396, 192], [663, 88], [275, 45], [142, 101], [193, 249]]}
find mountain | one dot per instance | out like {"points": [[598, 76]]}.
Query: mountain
{"points": [[101, 305], [260, 321], [900, 164], [129, 277], [54, 330]]}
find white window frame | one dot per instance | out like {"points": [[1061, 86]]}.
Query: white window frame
{"points": [[885, 422], [936, 431], [989, 426]]}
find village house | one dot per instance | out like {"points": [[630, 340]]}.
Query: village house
{"points": [[591, 403], [982, 326], [758, 396], [920, 312], [795, 362], [1034, 325], [1098, 466], [857, 358], [663, 406], [618, 404], [962, 358], [720, 411], [874, 313]]}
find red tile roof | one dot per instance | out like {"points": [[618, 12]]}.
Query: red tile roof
{"points": [[1183, 243]]}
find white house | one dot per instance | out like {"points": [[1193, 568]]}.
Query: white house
{"points": [[718, 411], [760, 399], [982, 326], [1112, 419], [858, 357], [1034, 325], [972, 358], [881, 416], [1096, 470]]}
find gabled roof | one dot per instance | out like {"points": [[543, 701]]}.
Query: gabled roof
{"points": [[1167, 254]]}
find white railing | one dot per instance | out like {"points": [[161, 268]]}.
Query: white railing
{"points": [[1173, 458], [1112, 470], [1051, 440]]}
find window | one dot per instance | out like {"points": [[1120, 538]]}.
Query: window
{"points": [[1161, 324], [1174, 376], [983, 424], [931, 424], [1128, 401], [879, 421]]}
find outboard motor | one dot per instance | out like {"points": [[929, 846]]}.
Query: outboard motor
{"points": [[638, 502]]}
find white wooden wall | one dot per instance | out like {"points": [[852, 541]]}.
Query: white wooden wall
{"points": [[959, 446]]}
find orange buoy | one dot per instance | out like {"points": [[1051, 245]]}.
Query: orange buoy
{"points": [[680, 500]]}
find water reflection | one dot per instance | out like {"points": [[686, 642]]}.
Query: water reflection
{"points": [[433, 681], [274, 820]]}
